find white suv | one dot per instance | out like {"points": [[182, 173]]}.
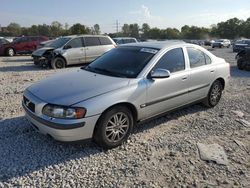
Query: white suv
{"points": [[221, 43]]}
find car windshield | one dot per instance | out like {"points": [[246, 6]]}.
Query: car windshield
{"points": [[59, 42], [124, 61], [4, 41]]}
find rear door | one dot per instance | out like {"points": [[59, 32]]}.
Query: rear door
{"points": [[96, 46], [20, 45], [75, 53], [202, 73]]}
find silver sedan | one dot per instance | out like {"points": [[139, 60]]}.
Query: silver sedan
{"points": [[104, 100]]}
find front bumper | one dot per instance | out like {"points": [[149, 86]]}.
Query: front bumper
{"points": [[39, 60], [60, 129]]}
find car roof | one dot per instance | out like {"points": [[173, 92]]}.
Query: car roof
{"points": [[73, 36], [156, 44], [124, 38]]}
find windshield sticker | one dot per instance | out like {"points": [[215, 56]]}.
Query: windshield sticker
{"points": [[149, 50]]}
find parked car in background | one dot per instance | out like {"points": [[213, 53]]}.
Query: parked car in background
{"points": [[70, 50], [221, 43], [22, 45], [208, 42], [241, 45], [3, 41], [243, 59], [124, 40], [131, 83]]}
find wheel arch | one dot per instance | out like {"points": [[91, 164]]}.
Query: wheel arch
{"points": [[130, 106], [59, 55], [5, 50], [222, 81]]}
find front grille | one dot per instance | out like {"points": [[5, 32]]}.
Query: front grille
{"points": [[30, 105]]}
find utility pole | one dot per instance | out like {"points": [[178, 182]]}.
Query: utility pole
{"points": [[117, 26]]}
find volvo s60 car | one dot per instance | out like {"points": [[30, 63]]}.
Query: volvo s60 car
{"points": [[104, 100]]}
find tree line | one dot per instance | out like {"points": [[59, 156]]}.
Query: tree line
{"points": [[231, 29], [55, 29]]}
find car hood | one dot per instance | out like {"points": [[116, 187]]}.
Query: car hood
{"points": [[41, 51], [75, 86]]}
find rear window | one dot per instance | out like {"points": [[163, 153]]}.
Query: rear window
{"points": [[105, 41], [92, 41]]}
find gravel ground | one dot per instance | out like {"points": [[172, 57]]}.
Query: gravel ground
{"points": [[161, 153]]}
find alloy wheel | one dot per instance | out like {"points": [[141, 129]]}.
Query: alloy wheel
{"points": [[117, 127]]}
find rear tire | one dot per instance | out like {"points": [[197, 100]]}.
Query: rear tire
{"points": [[114, 127], [10, 52], [214, 94], [240, 64], [58, 63]]}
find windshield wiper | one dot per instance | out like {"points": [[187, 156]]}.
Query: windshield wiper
{"points": [[101, 70]]}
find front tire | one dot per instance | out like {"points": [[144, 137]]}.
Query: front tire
{"points": [[58, 63], [10, 52], [114, 127], [214, 94]]}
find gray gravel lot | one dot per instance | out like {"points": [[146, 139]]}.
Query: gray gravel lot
{"points": [[161, 153]]}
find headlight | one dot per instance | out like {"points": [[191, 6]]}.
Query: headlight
{"points": [[63, 112]]}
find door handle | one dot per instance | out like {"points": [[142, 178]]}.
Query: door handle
{"points": [[212, 71], [184, 78]]}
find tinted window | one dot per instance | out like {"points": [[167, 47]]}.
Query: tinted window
{"points": [[196, 57], [122, 61], [22, 39], [208, 59], [105, 41], [173, 61], [59, 42], [3, 41], [75, 43], [92, 41]]}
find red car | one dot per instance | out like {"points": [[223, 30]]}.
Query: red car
{"points": [[26, 44]]}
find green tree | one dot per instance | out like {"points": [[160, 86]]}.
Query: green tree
{"points": [[134, 30], [78, 28], [155, 33], [56, 29], [126, 30], [14, 29], [145, 30], [97, 29]]}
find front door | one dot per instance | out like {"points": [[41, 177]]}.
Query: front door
{"points": [[75, 53], [168, 93]]}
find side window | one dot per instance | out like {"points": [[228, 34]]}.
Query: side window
{"points": [[105, 41], [173, 60], [208, 59], [196, 57], [92, 41], [75, 43], [23, 39]]}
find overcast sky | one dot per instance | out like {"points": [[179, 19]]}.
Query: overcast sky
{"points": [[157, 13]]}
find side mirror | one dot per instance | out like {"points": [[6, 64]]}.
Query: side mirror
{"points": [[160, 73], [67, 47]]}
